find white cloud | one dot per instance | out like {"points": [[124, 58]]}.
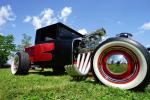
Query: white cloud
{"points": [[82, 31], [145, 26], [1, 34], [6, 14], [27, 19], [36, 22], [66, 11], [47, 17]]}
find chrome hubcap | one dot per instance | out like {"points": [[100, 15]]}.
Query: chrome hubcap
{"points": [[117, 64]]}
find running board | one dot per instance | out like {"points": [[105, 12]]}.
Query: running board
{"points": [[82, 67]]}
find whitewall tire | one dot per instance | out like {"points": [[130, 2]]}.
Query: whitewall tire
{"points": [[20, 63], [137, 63]]}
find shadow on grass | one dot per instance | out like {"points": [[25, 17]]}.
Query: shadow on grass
{"points": [[135, 90], [46, 73], [4, 66], [92, 80]]}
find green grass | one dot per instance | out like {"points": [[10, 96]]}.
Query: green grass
{"points": [[46, 86]]}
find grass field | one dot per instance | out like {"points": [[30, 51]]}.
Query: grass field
{"points": [[46, 86]]}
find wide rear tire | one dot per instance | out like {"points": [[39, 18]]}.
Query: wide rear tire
{"points": [[20, 64], [137, 73]]}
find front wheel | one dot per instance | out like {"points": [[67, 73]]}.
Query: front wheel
{"points": [[122, 63]]}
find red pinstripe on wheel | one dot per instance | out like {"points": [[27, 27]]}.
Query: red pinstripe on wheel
{"points": [[132, 65]]}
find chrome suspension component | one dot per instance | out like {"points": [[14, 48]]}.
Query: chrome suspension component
{"points": [[82, 67]]}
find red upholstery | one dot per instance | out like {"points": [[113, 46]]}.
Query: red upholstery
{"points": [[40, 52]]}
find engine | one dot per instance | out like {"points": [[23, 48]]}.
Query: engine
{"points": [[91, 41], [87, 43]]}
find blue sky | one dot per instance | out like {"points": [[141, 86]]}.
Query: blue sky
{"points": [[116, 16]]}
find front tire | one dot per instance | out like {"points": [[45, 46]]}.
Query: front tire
{"points": [[136, 75], [20, 64]]}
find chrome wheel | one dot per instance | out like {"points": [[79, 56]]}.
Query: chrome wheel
{"points": [[15, 64]]}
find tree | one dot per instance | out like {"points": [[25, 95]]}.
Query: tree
{"points": [[25, 42], [6, 47]]}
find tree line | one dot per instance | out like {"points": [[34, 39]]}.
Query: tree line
{"points": [[8, 47]]}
